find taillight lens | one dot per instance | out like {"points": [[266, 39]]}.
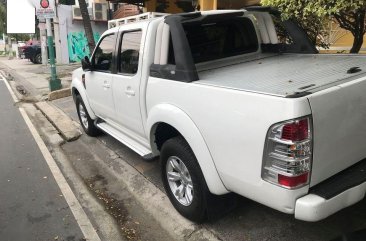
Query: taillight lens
{"points": [[296, 131], [288, 153]]}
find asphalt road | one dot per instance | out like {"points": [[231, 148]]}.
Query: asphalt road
{"points": [[31, 204], [249, 220]]}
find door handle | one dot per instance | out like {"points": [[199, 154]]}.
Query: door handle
{"points": [[129, 91], [107, 86]]}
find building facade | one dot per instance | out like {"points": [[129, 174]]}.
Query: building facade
{"points": [[71, 43], [70, 40]]}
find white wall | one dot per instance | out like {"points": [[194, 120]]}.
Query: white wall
{"points": [[67, 26]]}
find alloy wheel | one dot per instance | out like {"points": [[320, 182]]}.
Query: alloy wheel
{"points": [[179, 180], [83, 116]]}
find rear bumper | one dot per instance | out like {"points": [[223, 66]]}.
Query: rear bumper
{"points": [[313, 208], [334, 194]]}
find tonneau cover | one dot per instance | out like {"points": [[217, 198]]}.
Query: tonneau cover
{"points": [[285, 75]]}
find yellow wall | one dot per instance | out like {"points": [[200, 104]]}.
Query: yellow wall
{"points": [[208, 5], [347, 41], [152, 4]]}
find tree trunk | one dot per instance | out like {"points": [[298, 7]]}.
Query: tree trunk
{"points": [[355, 23], [357, 44], [87, 25]]}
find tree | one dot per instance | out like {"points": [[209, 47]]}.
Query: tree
{"points": [[2, 17], [297, 11], [351, 15], [311, 15], [87, 24]]}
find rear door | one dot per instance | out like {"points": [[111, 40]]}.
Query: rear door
{"points": [[126, 83], [339, 120], [99, 81]]}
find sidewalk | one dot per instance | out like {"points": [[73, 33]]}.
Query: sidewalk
{"points": [[35, 77]]}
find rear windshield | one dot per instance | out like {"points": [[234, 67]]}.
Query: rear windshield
{"points": [[221, 39]]}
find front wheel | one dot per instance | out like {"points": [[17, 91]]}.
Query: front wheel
{"points": [[86, 122], [183, 179]]}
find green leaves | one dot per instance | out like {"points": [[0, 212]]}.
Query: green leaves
{"points": [[2, 18], [312, 14]]}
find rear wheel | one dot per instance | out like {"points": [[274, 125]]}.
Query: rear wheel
{"points": [[38, 59], [183, 179], [86, 122]]}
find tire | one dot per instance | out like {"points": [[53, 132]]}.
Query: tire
{"points": [[86, 122], [192, 204], [38, 59]]}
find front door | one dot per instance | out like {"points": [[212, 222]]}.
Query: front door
{"points": [[126, 82], [98, 82]]}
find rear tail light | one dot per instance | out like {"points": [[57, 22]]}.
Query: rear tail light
{"points": [[296, 131], [288, 153]]}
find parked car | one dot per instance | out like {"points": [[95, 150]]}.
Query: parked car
{"points": [[232, 101], [23, 46], [33, 53]]}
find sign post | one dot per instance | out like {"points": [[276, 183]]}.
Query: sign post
{"points": [[46, 9], [55, 83]]}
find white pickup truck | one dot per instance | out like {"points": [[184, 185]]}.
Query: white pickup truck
{"points": [[232, 104]]}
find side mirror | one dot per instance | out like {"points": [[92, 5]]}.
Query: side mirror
{"points": [[85, 64]]}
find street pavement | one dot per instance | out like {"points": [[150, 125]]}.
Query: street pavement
{"points": [[31, 204]]}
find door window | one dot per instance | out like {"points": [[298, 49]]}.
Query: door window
{"points": [[102, 60], [128, 59]]}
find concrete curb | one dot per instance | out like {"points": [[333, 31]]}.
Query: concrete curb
{"points": [[60, 120], [58, 94]]}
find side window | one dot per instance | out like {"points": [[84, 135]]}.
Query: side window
{"points": [[102, 59], [128, 59]]}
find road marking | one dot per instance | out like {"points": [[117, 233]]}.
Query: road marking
{"points": [[15, 98], [80, 216]]}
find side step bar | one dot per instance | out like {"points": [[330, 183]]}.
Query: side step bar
{"points": [[125, 139]]}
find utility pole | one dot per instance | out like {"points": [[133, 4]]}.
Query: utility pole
{"points": [[55, 84], [10, 48], [4, 38], [43, 33], [46, 9]]}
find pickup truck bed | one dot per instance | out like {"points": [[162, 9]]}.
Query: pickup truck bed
{"points": [[265, 73]]}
